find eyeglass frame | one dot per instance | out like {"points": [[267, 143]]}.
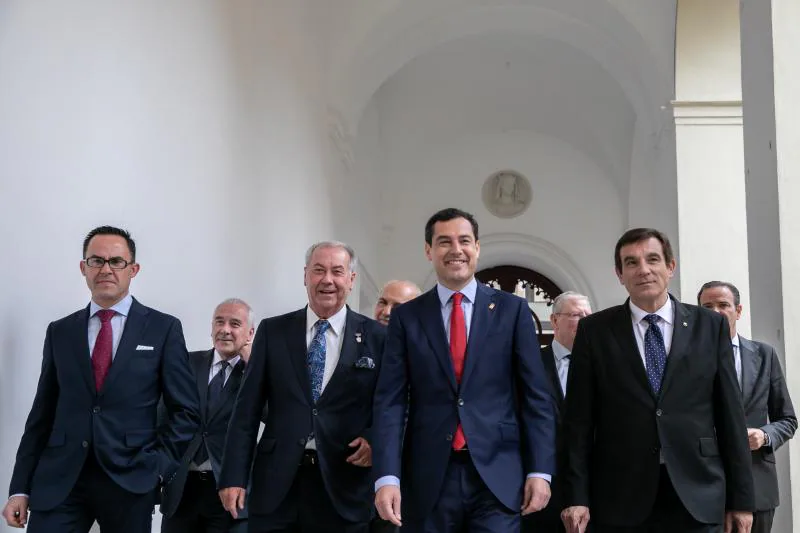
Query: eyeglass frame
{"points": [[104, 261]]}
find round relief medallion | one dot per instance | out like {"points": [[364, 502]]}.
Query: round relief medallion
{"points": [[506, 194]]}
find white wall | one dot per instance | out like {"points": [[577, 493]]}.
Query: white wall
{"points": [[196, 126]]}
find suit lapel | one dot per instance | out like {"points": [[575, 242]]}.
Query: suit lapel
{"points": [[751, 364], [84, 356], [623, 333], [682, 325], [479, 326], [349, 352], [548, 358], [296, 344], [229, 391], [134, 325], [431, 320], [201, 370]]}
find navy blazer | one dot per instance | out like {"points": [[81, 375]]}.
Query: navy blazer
{"points": [[277, 377], [69, 417], [504, 401]]}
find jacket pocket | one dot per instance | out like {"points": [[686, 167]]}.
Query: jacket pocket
{"points": [[57, 438], [137, 439], [708, 447]]}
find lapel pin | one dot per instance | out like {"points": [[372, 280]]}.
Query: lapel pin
{"points": [[685, 325], [491, 306], [358, 337]]}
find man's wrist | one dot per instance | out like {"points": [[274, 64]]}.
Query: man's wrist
{"points": [[767, 440]]}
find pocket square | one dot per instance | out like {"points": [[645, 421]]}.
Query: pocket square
{"points": [[365, 362], [141, 347]]}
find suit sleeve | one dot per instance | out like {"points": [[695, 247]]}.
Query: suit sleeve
{"points": [[731, 428], [537, 411], [578, 421], [782, 420], [180, 400], [39, 423], [240, 441], [390, 403]]}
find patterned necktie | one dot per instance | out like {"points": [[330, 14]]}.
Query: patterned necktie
{"points": [[655, 355], [316, 358], [103, 346], [215, 387], [458, 349]]}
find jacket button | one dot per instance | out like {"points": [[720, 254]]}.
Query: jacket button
{"points": [[205, 434], [85, 444], [314, 412], [301, 442], [95, 410], [460, 402], [449, 436], [658, 412]]}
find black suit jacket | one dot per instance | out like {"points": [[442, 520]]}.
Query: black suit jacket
{"points": [[213, 428], [616, 427], [70, 417], [277, 376], [767, 406]]}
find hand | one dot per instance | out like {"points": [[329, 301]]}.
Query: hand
{"points": [[387, 502], [756, 438], [244, 353], [575, 518], [233, 500], [536, 495], [738, 521], [16, 511], [363, 455]]}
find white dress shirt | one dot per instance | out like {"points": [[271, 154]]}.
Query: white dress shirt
{"points": [[122, 308], [737, 359], [560, 353], [666, 322], [333, 346]]}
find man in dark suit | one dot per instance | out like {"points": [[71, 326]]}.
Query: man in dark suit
{"points": [[190, 503], [768, 409], [316, 370], [654, 424], [568, 308], [91, 449], [462, 362]]}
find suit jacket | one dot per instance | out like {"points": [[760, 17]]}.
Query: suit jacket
{"points": [[277, 376], [617, 427], [767, 406], [212, 431], [503, 401], [70, 418]]}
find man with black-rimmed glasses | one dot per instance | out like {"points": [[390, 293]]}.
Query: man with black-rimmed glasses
{"points": [[91, 450]]}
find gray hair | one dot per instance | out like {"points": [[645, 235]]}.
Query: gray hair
{"points": [[409, 283], [564, 297], [237, 301], [334, 244]]}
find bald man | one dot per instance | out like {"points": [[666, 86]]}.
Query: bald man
{"points": [[394, 293]]}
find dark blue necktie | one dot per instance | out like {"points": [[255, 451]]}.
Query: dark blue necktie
{"points": [[655, 354], [316, 358], [215, 387]]}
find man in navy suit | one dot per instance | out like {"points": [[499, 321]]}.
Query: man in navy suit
{"points": [[315, 369], [190, 503], [462, 361], [91, 449]]}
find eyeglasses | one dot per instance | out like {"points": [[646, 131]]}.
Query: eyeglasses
{"points": [[116, 263], [572, 316]]}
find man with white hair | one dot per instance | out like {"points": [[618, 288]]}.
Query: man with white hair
{"points": [[568, 308], [316, 369], [394, 293]]}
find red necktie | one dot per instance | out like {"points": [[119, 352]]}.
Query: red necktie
{"points": [[458, 349], [101, 354]]}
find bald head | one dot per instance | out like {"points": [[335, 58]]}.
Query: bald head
{"points": [[394, 293]]}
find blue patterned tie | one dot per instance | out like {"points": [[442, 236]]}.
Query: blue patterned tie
{"points": [[655, 355], [316, 358]]}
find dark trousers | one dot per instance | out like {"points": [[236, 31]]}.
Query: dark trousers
{"points": [[200, 510], [762, 521], [379, 525], [96, 496], [548, 520], [668, 515], [466, 505], [307, 507]]}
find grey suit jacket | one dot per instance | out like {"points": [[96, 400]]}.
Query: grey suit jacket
{"points": [[766, 406]]}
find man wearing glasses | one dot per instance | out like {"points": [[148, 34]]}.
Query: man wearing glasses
{"points": [[91, 449], [568, 308]]}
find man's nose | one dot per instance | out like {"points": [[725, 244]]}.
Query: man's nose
{"points": [[106, 267]]}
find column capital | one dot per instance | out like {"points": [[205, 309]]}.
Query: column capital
{"points": [[710, 112]]}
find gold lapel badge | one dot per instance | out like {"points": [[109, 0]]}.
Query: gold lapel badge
{"points": [[685, 325], [358, 337], [491, 306]]}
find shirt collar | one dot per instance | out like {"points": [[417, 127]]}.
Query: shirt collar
{"points": [[468, 291], [559, 350], [735, 340], [122, 307], [665, 312], [218, 358], [336, 321]]}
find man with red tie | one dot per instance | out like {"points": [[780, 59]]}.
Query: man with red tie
{"points": [[463, 361], [91, 450]]}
